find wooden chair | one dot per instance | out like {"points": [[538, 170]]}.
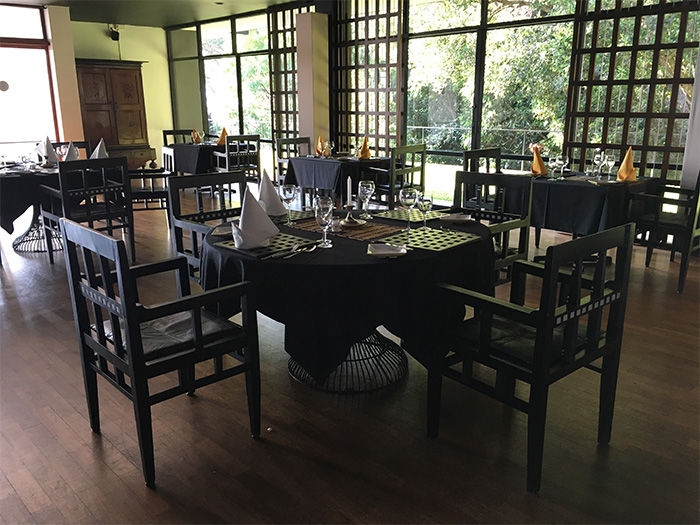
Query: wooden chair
{"points": [[576, 323], [287, 148], [130, 344], [242, 153], [92, 191], [168, 159], [188, 229], [489, 158], [504, 202], [149, 190], [177, 136], [406, 168], [655, 224]]}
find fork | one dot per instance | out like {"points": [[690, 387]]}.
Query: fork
{"points": [[303, 249]]}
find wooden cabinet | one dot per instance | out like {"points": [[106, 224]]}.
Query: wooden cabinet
{"points": [[112, 107]]}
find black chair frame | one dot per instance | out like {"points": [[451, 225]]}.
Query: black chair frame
{"points": [[406, 168]]}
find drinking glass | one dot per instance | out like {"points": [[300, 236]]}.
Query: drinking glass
{"points": [[610, 163], [289, 192], [27, 161], [563, 160], [598, 162], [425, 204], [365, 189], [552, 165], [408, 197], [323, 209]]}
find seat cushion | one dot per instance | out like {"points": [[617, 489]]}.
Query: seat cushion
{"points": [[511, 340], [174, 333]]}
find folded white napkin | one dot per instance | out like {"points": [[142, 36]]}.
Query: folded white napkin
{"points": [[45, 149], [256, 228], [268, 198], [100, 151], [385, 250], [72, 152]]}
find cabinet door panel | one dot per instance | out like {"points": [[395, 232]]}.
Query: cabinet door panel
{"points": [[129, 125], [99, 124]]}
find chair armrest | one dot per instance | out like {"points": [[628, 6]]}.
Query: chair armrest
{"points": [[221, 154], [522, 314], [192, 302], [192, 226], [174, 263], [50, 190]]}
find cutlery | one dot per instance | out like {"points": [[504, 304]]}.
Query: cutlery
{"points": [[304, 249]]}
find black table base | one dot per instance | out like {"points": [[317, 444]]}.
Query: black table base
{"points": [[374, 363]]}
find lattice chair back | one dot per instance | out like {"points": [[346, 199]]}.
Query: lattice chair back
{"points": [[287, 148], [242, 153], [485, 159], [188, 228], [128, 343], [177, 136]]}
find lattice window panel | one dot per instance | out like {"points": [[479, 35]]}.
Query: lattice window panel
{"points": [[283, 70], [368, 73], [631, 81]]}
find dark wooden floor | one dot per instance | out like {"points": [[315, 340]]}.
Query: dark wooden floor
{"points": [[343, 459]]}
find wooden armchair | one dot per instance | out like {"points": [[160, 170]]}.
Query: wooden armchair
{"points": [[177, 136], [406, 168], [149, 189], [504, 202], [149, 352], [490, 158], [242, 153], [92, 191], [287, 148], [188, 228], [577, 322], [672, 212]]}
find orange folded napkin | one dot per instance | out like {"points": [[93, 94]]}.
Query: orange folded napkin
{"points": [[627, 171], [196, 138], [319, 146], [222, 137], [364, 150], [538, 167]]}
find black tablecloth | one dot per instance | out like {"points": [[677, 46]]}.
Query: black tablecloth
{"points": [[330, 299], [580, 207], [195, 158], [18, 192], [330, 173]]}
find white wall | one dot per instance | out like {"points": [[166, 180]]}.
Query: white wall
{"points": [[691, 158]]}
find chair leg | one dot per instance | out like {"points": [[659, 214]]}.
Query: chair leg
{"points": [[252, 385], [538, 234], [650, 248], [683, 272], [144, 430], [535, 437], [132, 239], [434, 400], [49, 243], [91, 395], [608, 386]]}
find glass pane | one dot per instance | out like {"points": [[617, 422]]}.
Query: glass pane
{"points": [[440, 99], [216, 38], [508, 11], [256, 96], [525, 98], [222, 95], [251, 34], [187, 97], [183, 42], [685, 97], [20, 22], [26, 102], [428, 15]]}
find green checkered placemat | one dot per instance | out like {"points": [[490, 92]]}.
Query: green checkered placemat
{"points": [[402, 215], [430, 239], [279, 243]]}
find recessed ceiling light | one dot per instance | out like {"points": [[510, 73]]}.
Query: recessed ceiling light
{"points": [[219, 3]]}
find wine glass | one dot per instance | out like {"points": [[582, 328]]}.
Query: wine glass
{"points": [[425, 204], [563, 161], [330, 146], [289, 192], [552, 165], [598, 162], [610, 163], [365, 189], [27, 161], [323, 209], [408, 197]]}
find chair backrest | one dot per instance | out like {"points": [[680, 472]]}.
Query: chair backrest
{"points": [[168, 159], [179, 136], [582, 300], [105, 299], [505, 203], [188, 228], [408, 165], [83, 146], [287, 148], [83, 181], [491, 157], [243, 153]]}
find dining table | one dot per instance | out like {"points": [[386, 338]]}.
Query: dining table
{"points": [[334, 298], [19, 191], [331, 173], [196, 157]]}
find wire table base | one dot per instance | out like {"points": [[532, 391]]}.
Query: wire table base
{"points": [[34, 241], [374, 363]]}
